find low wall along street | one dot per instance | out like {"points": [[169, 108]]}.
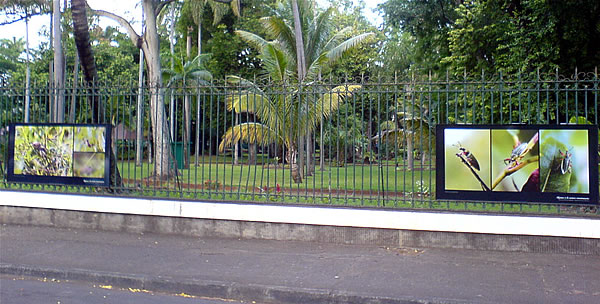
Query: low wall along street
{"points": [[392, 228]]}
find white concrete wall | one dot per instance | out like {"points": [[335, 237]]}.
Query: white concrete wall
{"points": [[330, 216]]}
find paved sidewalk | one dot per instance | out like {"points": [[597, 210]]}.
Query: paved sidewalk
{"points": [[297, 272]]}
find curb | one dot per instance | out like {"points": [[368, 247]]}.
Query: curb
{"points": [[245, 292]]}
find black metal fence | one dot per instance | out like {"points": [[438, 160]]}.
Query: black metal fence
{"points": [[349, 143]]}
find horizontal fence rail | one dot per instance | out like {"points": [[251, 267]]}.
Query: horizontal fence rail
{"points": [[362, 143]]}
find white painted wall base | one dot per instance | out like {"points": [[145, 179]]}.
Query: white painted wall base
{"points": [[329, 216]]}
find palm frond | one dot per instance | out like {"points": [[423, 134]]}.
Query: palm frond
{"points": [[219, 10], [337, 38], [387, 125], [316, 66], [250, 99], [394, 135], [243, 84], [275, 62], [199, 60], [256, 41], [247, 102], [201, 75], [249, 132], [282, 32], [197, 8], [167, 74], [317, 34], [306, 11], [236, 8], [337, 52], [171, 76], [329, 103]]}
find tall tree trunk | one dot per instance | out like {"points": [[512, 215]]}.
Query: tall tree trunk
{"points": [[409, 151], [151, 47], [172, 126], [139, 125], [28, 69], [236, 149], [291, 158], [187, 120], [300, 58], [188, 43], [199, 36], [321, 149], [139, 122], [197, 135], [51, 74], [252, 150], [309, 154], [172, 99], [301, 66], [86, 56], [300, 156], [88, 65], [58, 112], [74, 92]]}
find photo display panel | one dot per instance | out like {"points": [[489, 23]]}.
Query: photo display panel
{"points": [[517, 163], [72, 154]]}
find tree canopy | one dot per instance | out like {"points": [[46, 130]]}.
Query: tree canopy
{"points": [[510, 36]]}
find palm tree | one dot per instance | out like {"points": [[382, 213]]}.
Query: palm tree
{"points": [[322, 42], [410, 124], [282, 118], [58, 108], [302, 47], [86, 56], [184, 74], [219, 9]]}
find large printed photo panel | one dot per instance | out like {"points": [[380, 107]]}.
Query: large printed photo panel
{"points": [[518, 163], [72, 154]]}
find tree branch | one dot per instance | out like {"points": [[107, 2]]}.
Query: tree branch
{"points": [[510, 170], [485, 187], [162, 5], [135, 38], [20, 18]]}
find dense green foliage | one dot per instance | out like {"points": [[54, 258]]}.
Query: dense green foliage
{"points": [[10, 51], [509, 36]]}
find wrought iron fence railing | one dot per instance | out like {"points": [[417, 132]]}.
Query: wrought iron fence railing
{"points": [[367, 144]]}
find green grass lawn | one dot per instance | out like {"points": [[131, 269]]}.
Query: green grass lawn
{"points": [[352, 177]]}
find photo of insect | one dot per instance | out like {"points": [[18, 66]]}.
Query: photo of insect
{"points": [[38, 148], [44, 151], [516, 155], [468, 156], [567, 161]]}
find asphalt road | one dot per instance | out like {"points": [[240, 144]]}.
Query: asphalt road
{"points": [[24, 290], [288, 272]]}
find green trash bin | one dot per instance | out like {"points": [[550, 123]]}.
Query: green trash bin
{"points": [[178, 152]]}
